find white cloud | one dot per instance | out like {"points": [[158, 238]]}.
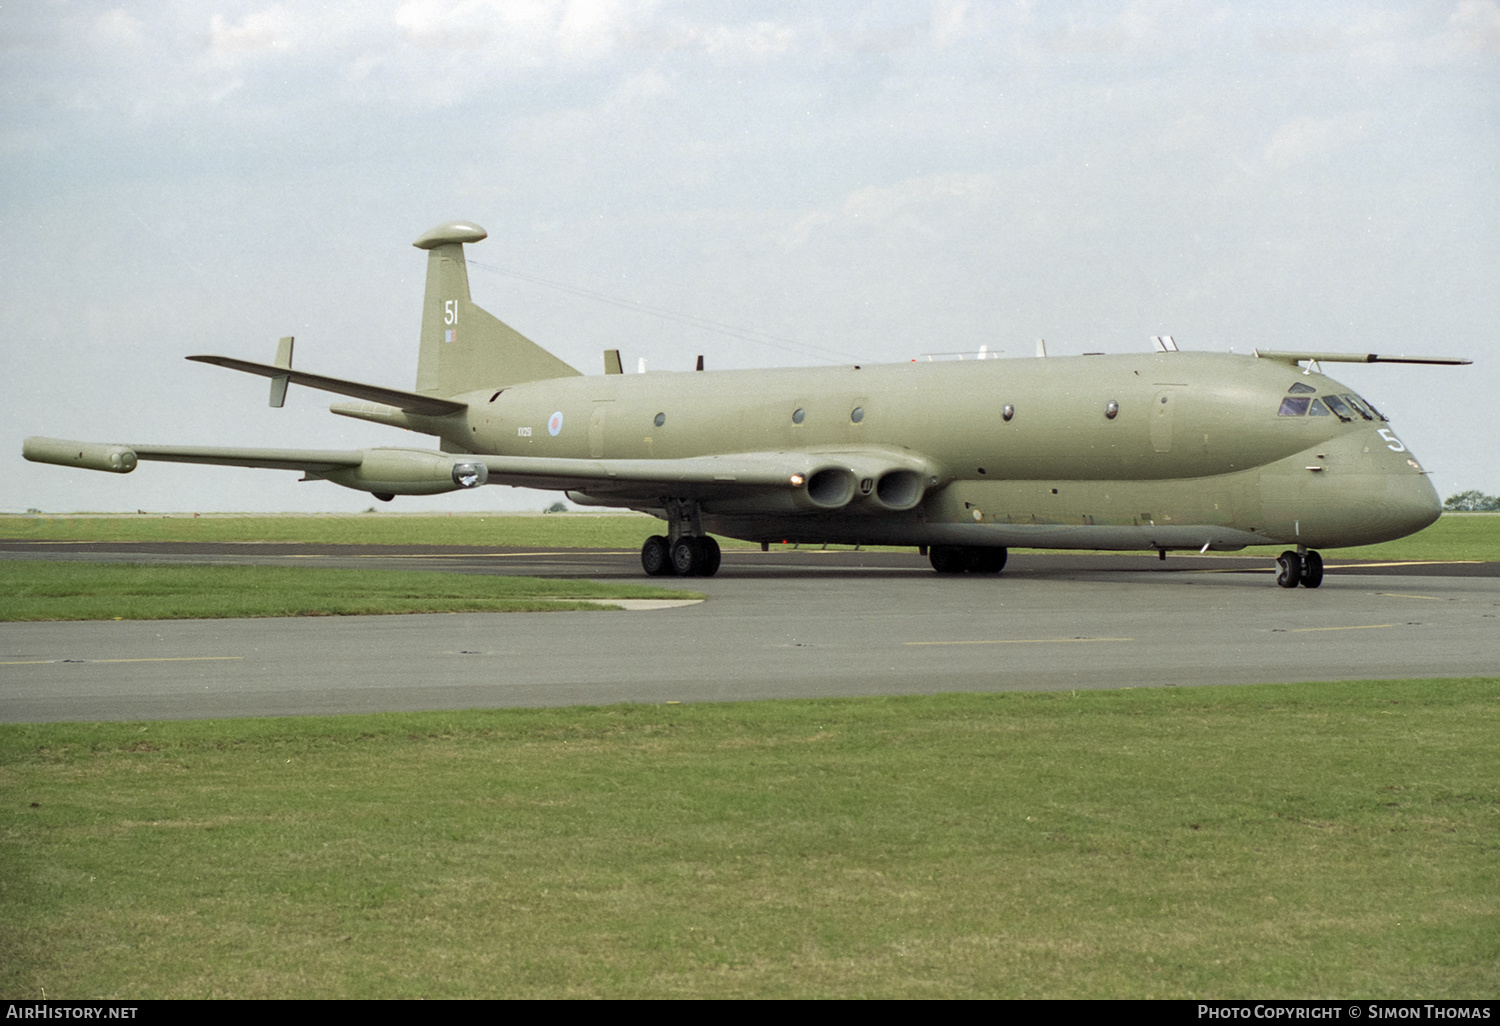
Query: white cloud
{"points": [[1301, 138], [116, 30], [524, 32], [954, 20], [915, 203], [1473, 27], [641, 88], [1142, 25], [273, 29], [1394, 37], [1194, 130], [755, 41]]}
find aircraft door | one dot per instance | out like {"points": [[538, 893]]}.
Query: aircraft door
{"points": [[1163, 409], [596, 429]]}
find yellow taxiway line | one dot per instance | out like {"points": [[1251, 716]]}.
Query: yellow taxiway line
{"points": [[1020, 641], [155, 659], [1361, 627]]}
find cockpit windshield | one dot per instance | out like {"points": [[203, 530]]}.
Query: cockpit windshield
{"points": [[1347, 407]]}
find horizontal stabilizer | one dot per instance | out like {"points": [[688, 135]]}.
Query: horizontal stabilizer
{"points": [[1295, 358], [409, 402]]}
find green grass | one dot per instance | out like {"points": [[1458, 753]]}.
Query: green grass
{"points": [[1313, 840], [123, 591], [557, 530], [1455, 536]]}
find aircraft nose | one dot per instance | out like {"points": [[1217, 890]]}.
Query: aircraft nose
{"points": [[1411, 503]]}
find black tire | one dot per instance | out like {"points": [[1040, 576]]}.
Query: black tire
{"points": [[687, 557], [1288, 569], [711, 557], [655, 557], [1312, 570], [984, 560], [946, 559]]}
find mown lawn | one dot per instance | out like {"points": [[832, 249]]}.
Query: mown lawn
{"points": [[1454, 536], [38, 590], [1310, 840]]}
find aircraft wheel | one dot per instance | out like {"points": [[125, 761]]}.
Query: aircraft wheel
{"points": [[1312, 570], [984, 560], [656, 559], [687, 557], [712, 557], [1289, 569], [946, 559]]}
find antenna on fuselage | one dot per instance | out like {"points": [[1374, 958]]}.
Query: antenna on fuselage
{"points": [[1164, 343], [1041, 347]]}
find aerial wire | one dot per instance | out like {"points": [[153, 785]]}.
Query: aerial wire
{"points": [[691, 320]]}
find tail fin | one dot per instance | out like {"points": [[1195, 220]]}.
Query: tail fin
{"points": [[465, 348]]}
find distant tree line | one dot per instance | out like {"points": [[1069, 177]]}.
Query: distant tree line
{"points": [[1472, 501]]}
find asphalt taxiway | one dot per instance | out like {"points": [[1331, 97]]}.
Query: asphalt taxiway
{"points": [[798, 623]]}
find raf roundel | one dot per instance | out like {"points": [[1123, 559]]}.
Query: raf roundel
{"points": [[554, 424]]}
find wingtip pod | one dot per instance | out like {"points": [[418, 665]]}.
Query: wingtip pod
{"points": [[116, 459]]}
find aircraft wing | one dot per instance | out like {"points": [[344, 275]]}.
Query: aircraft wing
{"points": [[121, 459], [693, 477], [809, 480], [409, 402], [816, 480]]}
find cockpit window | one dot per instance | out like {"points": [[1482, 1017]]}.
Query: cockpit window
{"points": [[1345, 407], [1300, 389], [1365, 409], [1340, 410]]}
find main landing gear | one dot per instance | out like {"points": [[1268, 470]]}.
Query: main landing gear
{"points": [[974, 559], [1304, 567], [686, 557], [685, 550]]}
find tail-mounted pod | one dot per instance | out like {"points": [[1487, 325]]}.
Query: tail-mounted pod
{"points": [[117, 459], [409, 472]]}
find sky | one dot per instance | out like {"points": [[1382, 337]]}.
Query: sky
{"points": [[768, 184]]}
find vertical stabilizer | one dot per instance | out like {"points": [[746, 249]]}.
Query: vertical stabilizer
{"points": [[464, 347]]}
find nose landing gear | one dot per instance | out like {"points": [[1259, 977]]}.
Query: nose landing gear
{"points": [[1304, 567]]}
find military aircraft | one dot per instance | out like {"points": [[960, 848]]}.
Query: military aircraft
{"points": [[961, 459]]}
